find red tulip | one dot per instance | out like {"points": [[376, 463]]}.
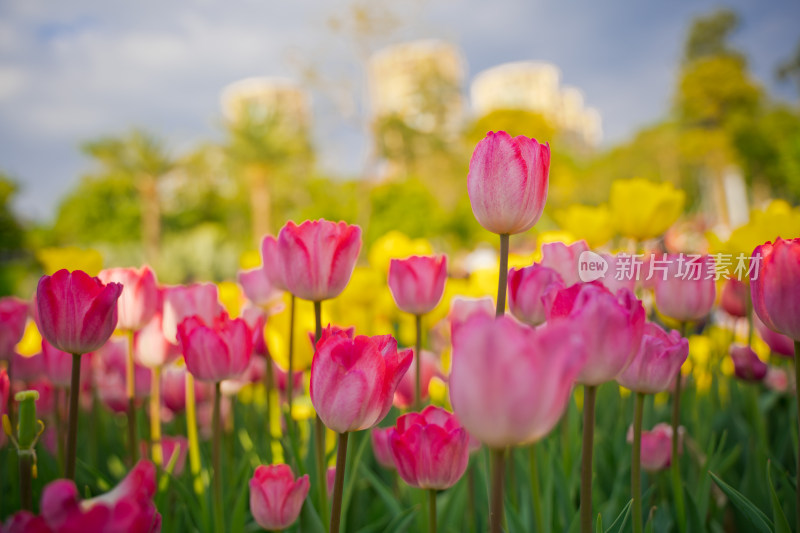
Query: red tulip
{"points": [[110, 368], [656, 447], [128, 507], [180, 302], [140, 295], [509, 383], [218, 351], [13, 316], [733, 299], [657, 362], [685, 289], [151, 348], [612, 326], [775, 290], [272, 263], [275, 497], [353, 381], [430, 449], [404, 395], [381, 446], [746, 364], [526, 287], [257, 286], [318, 257], [507, 182], [77, 313], [417, 283], [564, 259]]}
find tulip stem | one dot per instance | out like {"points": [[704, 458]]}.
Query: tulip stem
{"points": [[130, 388], [535, 494], [432, 510], [418, 365], [589, 393], [290, 381], [59, 429], [72, 436], [319, 435], [503, 281], [797, 396], [498, 474], [268, 381], [25, 479], [636, 463], [219, 526], [338, 484], [155, 417], [191, 435], [677, 486]]}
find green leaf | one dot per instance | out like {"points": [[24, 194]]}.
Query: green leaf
{"points": [[778, 516], [599, 527], [401, 521], [618, 525], [753, 514], [384, 493]]}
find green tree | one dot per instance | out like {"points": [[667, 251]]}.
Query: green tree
{"points": [[14, 254]]}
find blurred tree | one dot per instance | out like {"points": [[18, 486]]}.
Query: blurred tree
{"points": [[14, 255], [791, 68], [708, 36]]}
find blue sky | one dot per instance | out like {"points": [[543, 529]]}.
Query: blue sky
{"points": [[73, 71]]}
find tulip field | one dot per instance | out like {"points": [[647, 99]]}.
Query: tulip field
{"points": [[648, 384]]}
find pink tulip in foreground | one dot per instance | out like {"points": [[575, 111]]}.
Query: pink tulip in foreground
{"points": [[776, 291], [417, 283], [218, 351], [13, 316], [656, 451], [430, 449], [564, 259], [353, 381], [746, 364], [526, 287], [381, 446], [276, 498], [510, 384], [77, 313], [657, 362], [181, 302], [611, 325], [140, 295], [318, 257], [507, 182], [685, 289]]}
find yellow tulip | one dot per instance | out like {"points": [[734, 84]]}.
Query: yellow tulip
{"points": [[395, 245], [777, 219], [231, 297], [591, 223], [31, 342], [642, 209], [71, 258]]}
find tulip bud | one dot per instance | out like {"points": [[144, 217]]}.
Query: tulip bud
{"points": [[13, 317], [526, 287], [657, 362], [746, 364], [140, 296], [775, 289], [417, 283], [275, 497]]}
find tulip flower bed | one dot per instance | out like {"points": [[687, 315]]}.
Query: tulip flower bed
{"points": [[610, 404]]}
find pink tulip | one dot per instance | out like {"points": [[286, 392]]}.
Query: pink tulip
{"points": [[685, 289], [256, 320], [318, 257], [281, 378], [57, 365], [217, 351], [461, 309], [564, 259], [353, 381], [381, 447], [657, 362], [173, 388], [257, 287], [621, 273], [13, 316], [128, 507], [656, 447], [332, 331], [509, 383], [77, 313], [777, 379], [110, 368], [430, 449], [25, 522], [275, 497], [180, 302], [507, 182], [330, 480], [733, 299], [612, 326], [777, 342], [775, 290], [526, 287], [140, 295], [746, 364], [404, 395], [151, 348], [27, 369], [417, 283], [272, 263]]}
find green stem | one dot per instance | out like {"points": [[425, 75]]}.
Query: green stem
{"points": [[536, 498], [498, 474], [636, 463], [418, 365], [290, 380], [155, 417], [797, 396], [59, 429], [432, 510], [319, 434], [25, 479], [677, 486], [338, 484], [130, 388], [589, 393], [219, 526], [503, 281], [72, 436], [268, 382], [191, 435]]}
